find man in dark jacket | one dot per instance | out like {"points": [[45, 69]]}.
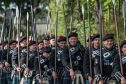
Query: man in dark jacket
{"points": [[73, 55], [120, 71]]}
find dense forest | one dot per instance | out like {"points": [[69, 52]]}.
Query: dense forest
{"points": [[75, 15]]}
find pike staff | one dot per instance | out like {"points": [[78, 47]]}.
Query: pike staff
{"points": [[2, 40], [101, 32], [124, 16], [47, 26], [2, 35], [56, 30], [63, 9], [9, 35], [27, 39], [18, 34], [33, 22], [50, 19], [66, 33], [84, 31], [117, 36], [39, 65], [35, 38], [90, 57], [71, 15]]}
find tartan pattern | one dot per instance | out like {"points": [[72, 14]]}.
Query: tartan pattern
{"points": [[2, 77], [8, 78], [15, 78], [35, 81], [27, 80], [66, 79], [49, 79], [5, 78]]}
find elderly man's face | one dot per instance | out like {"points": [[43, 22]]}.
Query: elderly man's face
{"points": [[108, 43], [73, 40]]}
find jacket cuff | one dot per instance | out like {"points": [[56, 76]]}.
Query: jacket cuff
{"points": [[51, 70], [14, 66], [118, 76], [98, 77], [67, 68], [86, 75], [23, 66]]}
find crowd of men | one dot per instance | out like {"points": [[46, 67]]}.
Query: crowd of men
{"points": [[68, 62]]}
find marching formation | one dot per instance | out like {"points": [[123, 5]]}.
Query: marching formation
{"points": [[67, 62]]}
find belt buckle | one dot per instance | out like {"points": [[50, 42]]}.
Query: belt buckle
{"points": [[112, 81], [78, 72]]}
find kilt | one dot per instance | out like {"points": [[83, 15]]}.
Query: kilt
{"points": [[35, 81], [27, 80], [15, 78], [48, 80], [2, 76], [79, 78], [60, 72], [30, 80], [66, 79], [45, 80], [8, 76], [63, 76]]}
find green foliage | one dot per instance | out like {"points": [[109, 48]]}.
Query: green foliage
{"points": [[73, 15], [72, 9]]}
